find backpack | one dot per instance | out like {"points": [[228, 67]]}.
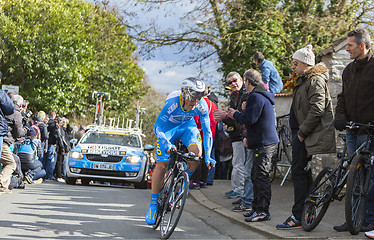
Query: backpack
{"points": [[37, 129]]}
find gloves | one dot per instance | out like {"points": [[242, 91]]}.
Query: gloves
{"points": [[340, 123], [210, 160], [168, 146]]}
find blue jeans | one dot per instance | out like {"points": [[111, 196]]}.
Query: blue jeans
{"points": [[49, 161], [354, 142], [247, 197]]}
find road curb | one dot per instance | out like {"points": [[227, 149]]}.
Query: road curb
{"points": [[259, 227]]}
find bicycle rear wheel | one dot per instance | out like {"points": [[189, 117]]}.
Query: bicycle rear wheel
{"points": [[286, 139], [318, 201], [356, 194], [173, 207]]}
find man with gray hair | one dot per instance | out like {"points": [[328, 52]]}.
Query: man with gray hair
{"points": [[235, 130], [355, 103], [258, 118], [6, 108]]}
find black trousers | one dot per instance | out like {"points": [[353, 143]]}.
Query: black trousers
{"points": [[302, 180], [260, 177]]}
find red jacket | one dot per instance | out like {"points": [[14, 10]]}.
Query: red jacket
{"points": [[212, 107]]}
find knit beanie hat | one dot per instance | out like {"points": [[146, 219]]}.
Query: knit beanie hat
{"points": [[305, 55], [31, 132]]}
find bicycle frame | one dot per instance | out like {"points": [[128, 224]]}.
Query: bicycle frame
{"points": [[281, 150], [174, 192], [99, 112]]}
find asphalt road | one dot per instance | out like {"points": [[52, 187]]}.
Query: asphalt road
{"points": [[54, 210]]}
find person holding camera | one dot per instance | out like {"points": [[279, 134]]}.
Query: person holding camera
{"points": [[6, 108], [16, 129]]}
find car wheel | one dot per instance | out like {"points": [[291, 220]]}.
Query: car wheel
{"points": [[141, 185], [70, 181], [85, 181]]}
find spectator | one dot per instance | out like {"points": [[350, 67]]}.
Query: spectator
{"points": [[38, 121], [223, 151], [311, 122], [261, 139], [29, 152], [49, 161], [353, 103], [15, 130], [62, 148], [270, 75], [200, 176], [16, 180], [235, 129]]}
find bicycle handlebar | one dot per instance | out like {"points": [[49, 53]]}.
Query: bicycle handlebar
{"points": [[354, 125], [100, 93], [283, 116], [190, 156]]}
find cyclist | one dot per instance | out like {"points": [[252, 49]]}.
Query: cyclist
{"points": [[176, 121]]}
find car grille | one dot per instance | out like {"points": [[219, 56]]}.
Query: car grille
{"points": [[103, 173], [99, 158]]}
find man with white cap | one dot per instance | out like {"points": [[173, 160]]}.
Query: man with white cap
{"points": [[311, 122]]}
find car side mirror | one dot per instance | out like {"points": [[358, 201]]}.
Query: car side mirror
{"points": [[74, 140], [149, 147]]}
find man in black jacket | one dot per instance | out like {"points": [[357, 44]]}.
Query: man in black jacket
{"points": [[235, 130], [355, 103], [49, 156]]}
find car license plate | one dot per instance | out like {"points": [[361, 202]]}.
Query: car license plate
{"points": [[102, 166]]}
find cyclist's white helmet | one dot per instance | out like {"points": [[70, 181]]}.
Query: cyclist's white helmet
{"points": [[193, 89]]}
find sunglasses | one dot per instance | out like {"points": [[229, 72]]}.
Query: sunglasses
{"points": [[230, 82], [295, 63]]}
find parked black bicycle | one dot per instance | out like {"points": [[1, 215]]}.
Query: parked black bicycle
{"points": [[283, 157], [354, 171], [325, 189], [358, 182], [174, 192]]}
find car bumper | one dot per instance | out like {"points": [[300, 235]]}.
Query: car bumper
{"points": [[120, 172]]}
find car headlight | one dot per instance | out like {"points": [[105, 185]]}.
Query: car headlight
{"points": [[77, 155], [133, 159]]}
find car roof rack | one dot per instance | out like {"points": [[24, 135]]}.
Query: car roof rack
{"points": [[114, 125]]}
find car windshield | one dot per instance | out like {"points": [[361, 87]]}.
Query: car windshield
{"points": [[129, 140]]}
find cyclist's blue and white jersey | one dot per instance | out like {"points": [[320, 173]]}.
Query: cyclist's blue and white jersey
{"points": [[172, 116]]}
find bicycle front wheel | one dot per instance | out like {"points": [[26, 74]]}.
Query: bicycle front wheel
{"points": [[162, 197], [173, 207], [356, 194], [318, 201]]}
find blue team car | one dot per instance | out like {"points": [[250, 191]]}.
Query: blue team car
{"points": [[107, 154]]}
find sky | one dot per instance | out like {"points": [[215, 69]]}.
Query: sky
{"points": [[164, 70]]}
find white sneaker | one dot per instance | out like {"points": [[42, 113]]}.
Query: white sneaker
{"points": [[38, 181], [370, 234], [60, 180]]}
